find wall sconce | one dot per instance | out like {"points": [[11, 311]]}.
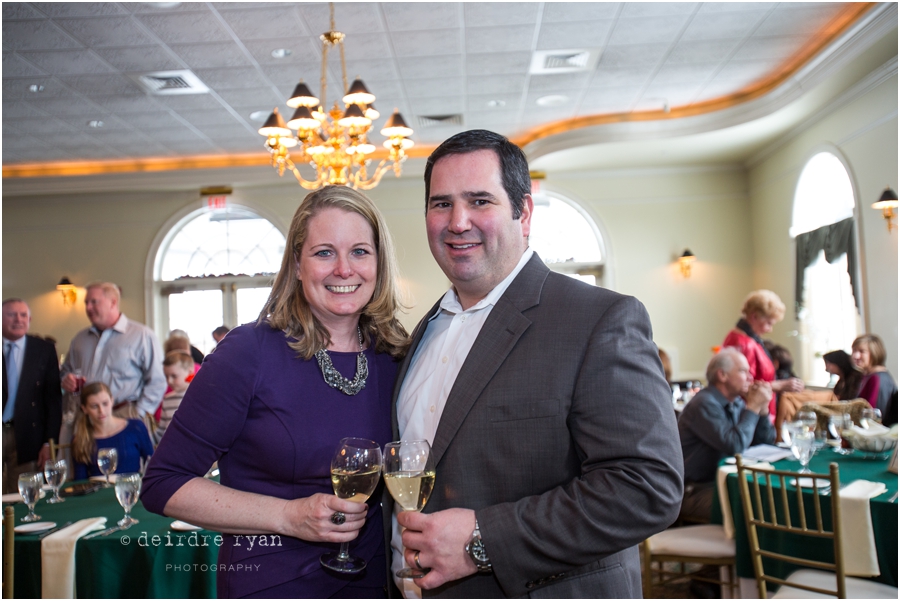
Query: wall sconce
{"points": [[67, 290], [887, 203], [686, 259]]}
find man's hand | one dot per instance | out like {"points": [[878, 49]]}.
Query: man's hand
{"points": [[758, 397], [788, 385], [69, 383], [43, 456], [440, 538]]}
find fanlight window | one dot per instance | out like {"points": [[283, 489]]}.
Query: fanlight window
{"points": [[566, 239]]}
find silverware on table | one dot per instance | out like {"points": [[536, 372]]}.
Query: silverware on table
{"points": [[894, 498], [106, 532], [54, 529]]}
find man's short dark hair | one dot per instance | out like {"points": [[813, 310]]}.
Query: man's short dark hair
{"points": [[513, 164]]}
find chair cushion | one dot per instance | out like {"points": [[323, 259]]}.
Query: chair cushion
{"points": [[857, 588], [706, 540]]}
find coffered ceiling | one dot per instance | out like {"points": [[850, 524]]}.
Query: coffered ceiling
{"points": [[68, 66]]}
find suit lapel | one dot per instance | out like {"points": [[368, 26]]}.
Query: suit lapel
{"points": [[499, 335]]}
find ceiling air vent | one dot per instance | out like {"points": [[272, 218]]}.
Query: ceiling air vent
{"points": [[564, 61], [165, 83], [426, 121]]}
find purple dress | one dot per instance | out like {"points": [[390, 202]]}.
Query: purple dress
{"points": [[272, 423]]}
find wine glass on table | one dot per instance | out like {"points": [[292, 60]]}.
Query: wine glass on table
{"points": [[802, 446], [870, 416], [409, 477], [30, 484], [837, 426], [107, 461], [55, 473], [128, 490], [355, 469]]}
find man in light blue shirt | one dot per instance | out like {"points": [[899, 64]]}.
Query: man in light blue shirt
{"points": [[123, 354]]}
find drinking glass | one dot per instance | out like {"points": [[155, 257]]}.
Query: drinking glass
{"points": [[107, 460], [870, 416], [355, 469], [788, 429], [30, 484], [55, 472], [807, 419], [128, 490], [802, 448], [837, 425], [409, 477]]}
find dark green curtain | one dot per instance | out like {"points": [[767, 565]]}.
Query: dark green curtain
{"points": [[836, 239]]}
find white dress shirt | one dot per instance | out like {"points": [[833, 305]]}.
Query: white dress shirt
{"points": [[433, 369]]}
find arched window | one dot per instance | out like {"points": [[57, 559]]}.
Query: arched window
{"points": [[567, 239], [824, 231], [213, 268]]}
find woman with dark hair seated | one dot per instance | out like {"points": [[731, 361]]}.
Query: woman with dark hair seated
{"points": [[849, 378]]}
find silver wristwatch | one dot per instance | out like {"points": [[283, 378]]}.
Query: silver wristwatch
{"points": [[475, 549]]}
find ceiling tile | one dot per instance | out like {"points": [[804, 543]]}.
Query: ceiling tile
{"points": [[303, 50], [129, 104], [676, 94], [18, 88], [418, 16], [429, 43], [606, 77], [480, 40], [496, 84], [171, 135], [211, 56], [102, 85], [47, 126], [479, 102], [446, 105], [153, 119], [721, 26], [349, 17], [655, 9], [80, 9], [68, 62], [498, 63], [579, 11], [140, 59], [426, 88], [694, 73], [364, 46], [650, 30], [267, 23], [107, 31], [215, 131], [717, 7], [372, 69], [585, 34], [641, 55], [237, 77], [759, 48], [20, 10], [209, 117], [15, 66], [701, 51], [490, 118], [431, 66], [500, 14], [287, 76], [542, 115], [386, 88], [571, 95], [551, 82], [788, 20], [609, 97], [251, 97], [36, 35], [186, 27], [743, 72], [17, 109]]}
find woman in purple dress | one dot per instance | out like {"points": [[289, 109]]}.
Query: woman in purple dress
{"points": [[275, 398], [869, 357]]}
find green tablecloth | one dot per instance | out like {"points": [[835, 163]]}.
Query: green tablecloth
{"points": [[852, 467], [119, 565]]}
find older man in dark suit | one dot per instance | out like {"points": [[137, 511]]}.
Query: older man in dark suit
{"points": [[32, 399], [544, 400]]}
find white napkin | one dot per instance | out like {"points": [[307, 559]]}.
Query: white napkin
{"points": [[58, 558], [874, 429], [858, 540], [721, 477]]}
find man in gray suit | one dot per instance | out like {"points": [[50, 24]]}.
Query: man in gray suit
{"points": [[543, 398]]}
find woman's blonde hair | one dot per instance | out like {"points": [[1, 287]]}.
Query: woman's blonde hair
{"points": [[83, 443], [765, 303], [287, 308], [873, 343]]}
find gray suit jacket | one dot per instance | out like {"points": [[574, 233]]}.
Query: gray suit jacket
{"points": [[559, 433]]}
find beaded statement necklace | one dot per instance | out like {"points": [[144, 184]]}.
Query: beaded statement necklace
{"points": [[334, 378]]}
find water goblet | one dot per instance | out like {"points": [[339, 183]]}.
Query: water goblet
{"points": [[107, 461], [355, 470], [802, 446], [807, 419], [870, 416], [409, 477], [30, 484], [55, 472], [837, 426], [128, 490]]}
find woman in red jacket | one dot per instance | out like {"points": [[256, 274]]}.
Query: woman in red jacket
{"points": [[762, 310]]}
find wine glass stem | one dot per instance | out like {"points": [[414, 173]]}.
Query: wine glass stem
{"points": [[344, 553]]}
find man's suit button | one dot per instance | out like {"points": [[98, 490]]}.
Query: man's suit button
{"points": [[529, 584]]}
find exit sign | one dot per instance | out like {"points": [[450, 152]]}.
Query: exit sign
{"points": [[217, 201]]}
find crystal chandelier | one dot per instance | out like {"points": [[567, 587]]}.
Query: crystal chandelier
{"points": [[335, 143]]}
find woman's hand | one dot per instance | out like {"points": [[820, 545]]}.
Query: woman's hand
{"points": [[788, 385], [309, 518]]}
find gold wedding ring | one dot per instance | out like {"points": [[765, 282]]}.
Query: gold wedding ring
{"points": [[416, 561]]}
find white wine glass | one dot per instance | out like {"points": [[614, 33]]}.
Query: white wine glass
{"points": [[802, 446], [355, 469], [30, 484], [107, 461], [128, 491], [837, 426], [55, 472], [409, 476]]}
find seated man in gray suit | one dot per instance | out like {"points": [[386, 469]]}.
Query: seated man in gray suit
{"points": [[718, 423], [544, 400]]}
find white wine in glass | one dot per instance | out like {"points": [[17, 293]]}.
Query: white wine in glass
{"points": [[409, 477], [30, 484], [107, 462], [355, 469], [55, 472]]}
